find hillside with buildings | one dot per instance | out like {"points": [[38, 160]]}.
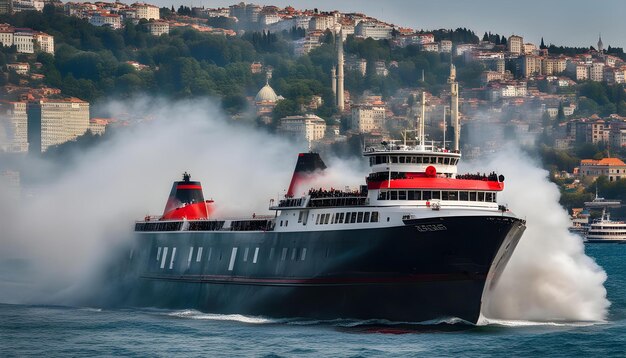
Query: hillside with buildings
{"points": [[328, 79]]}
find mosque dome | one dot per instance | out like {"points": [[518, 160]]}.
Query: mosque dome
{"points": [[266, 94]]}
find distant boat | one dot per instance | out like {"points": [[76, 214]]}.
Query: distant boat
{"points": [[604, 230]]}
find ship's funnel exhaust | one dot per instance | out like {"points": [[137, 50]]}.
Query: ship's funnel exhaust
{"points": [[186, 201], [307, 165]]}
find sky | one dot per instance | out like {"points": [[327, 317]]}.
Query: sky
{"points": [[561, 22]]}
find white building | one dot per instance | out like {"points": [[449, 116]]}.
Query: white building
{"points": [[146, 11], [309, 127], [375, 30], [368, 117], [56, 121], [13, 127], [158, 28], [596, 71], [113, 21], [445, 46], [21, 68], [515, 44], [23, 39]]}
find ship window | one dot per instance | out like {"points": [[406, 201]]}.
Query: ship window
{"points": [[439, 160], [164, 257], [317, 219], [283, 256], [245, 254], [426, 195], [394, 195], [463, 195], [332, 218], [220, 255], [326, 219], [453, 195], [366, 217], [394, 159], [418, 160], [300, 217], [359, 218], [256, 255], [382, 195], [293, 253], [303, 254], [402, 195], [472, 196], [444, 195], [159, 253], [402, 160], [374, 217], [436, 194], [353, 218], [446, 160], [209, 255], [172, 258], [271, 254], [190, 257], [481, 196], [286, 223], [414, 160], [340, 218], [281, 223], [414, 195], [488, 197], [433, 160]]}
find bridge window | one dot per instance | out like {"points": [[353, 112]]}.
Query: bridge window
{"points": [[402, 195], [481, 196], [394, 159], [402, 160], [472, 196], [394, 195], [374, 218], [463, 195], [446, 161], [433, 160], [436, 194], [439, 160]]}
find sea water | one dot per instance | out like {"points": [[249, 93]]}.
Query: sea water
{"points": [[90, 331]]}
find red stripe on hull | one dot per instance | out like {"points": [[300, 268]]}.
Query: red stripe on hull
{"points": [[437, 183]]}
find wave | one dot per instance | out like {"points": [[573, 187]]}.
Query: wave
{"points": [[339, 322], [523, 323]]}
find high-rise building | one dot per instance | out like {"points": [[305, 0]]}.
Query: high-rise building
{"points": [[14, 125], [55, 121], [515, 44]]}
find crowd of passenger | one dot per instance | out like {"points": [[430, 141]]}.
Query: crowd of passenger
{"points": [[491, 177], [332, 193]]}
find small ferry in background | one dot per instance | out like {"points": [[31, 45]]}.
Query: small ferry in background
{"points": [[603, 229]]}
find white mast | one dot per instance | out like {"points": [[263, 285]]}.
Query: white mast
{"points": [[422, 134]]}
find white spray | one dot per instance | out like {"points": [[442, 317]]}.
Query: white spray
{"points": [[549, 277]]}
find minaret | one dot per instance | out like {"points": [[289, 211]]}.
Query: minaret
{"points": [[600, 44], [340, 101], [454, 106], [333, 75], [422, 132]]}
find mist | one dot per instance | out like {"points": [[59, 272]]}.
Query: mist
{"points": [[549, 276]]}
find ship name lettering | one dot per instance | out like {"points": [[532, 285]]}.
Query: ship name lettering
{"points": [[433, 227]]}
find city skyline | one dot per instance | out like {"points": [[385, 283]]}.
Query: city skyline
{"points": [[558, 23]]}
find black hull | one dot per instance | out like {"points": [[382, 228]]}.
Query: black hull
{"points": [[427, 269]]}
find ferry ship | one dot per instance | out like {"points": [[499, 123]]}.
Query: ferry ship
{"points": [[416, 242], [604, 230]]}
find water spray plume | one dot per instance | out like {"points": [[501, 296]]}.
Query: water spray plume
{"points": [[549, 277]]}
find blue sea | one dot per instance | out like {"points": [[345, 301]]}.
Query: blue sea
{"points": [[52, 331]]}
